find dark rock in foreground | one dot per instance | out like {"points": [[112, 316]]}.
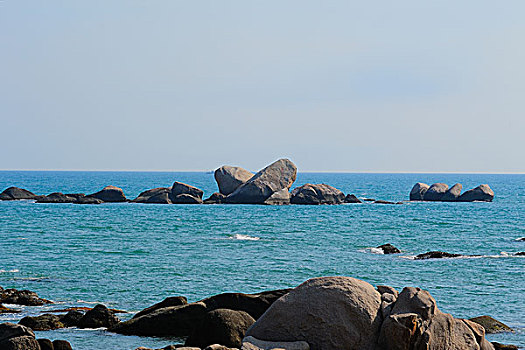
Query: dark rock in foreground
{"points": [[45, 344], [61, 345], [435, 192], [418, 191], [350, 198], [72, 318], [110, 194], [389, 249], [215, 198], [99, 316], [276, 177], [17, 337], [317, 194], [43, 322], [16, 193], [436, 255], [170, 301], [21, 297], [452, 193], [220, 326], [491, 325], [482, 193], [229, 178]]}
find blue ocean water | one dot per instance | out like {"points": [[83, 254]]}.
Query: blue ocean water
{"points": [[129, 256]]}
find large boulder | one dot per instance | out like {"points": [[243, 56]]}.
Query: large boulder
{"points": [[99, 316], [110, 194], [17, 337], [221, 326], [482, 193], [435, 192], [452, 193], [327, 313], [170, 301], [158, 195], [58, 197], [418, 191], [15, 193], [317, 194], [281, 197], [179, 188], [229, 178], [60, 344], [43, 322], [276, 177], [21, 297]]}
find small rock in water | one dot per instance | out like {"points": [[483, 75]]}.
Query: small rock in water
{"points": [[369, 199], [380, 201], [317, 194], [88, 200], [61, 345], [521, 239], [6, 310], [99, 316], [436, 255], [520, 254], [21, 297], [389, 249], [15, 193], [110, 194], [215, 198], [491, 325], [350, 198], [499, 346]]}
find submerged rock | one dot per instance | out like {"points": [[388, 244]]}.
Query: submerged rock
{"points": [[491, 325], [317, 194], [418, 191], [520, 254], [99, 316], [6, 310], [21, 297], [110, 194], [380, 201], [482, 193], [499, 346], [229, 178], [274, 178], [436, 255], [452, 193], [435, 192], [350, 198], [43, 322], [16, 193], [389, 249]]}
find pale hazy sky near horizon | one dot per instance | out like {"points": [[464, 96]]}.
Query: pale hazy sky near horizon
{"points": [[404, 86]]}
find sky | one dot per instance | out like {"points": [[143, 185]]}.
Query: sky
{"points": [[357, 86]]}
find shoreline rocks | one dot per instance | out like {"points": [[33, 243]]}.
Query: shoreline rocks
{"points": [[109, 194]]}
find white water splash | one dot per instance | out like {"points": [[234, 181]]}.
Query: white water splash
{"points": [[240, 237], [9, 271]]}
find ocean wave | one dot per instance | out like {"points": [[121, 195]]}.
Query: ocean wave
{"points": [[9, 271], [372, 250], [241, 237], [31, 278]]}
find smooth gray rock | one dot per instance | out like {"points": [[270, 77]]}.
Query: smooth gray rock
{"points": [[88, 200], [435, 192], [453, 193], [274, 178], [155, 195], [482, 193], [281, 197], [110, 194], [418, 191], [16, 193], [317, 194], [179, 188], [229, 178]]}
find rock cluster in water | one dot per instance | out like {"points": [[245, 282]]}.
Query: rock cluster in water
{"points": [[440, 192], [19, 337]]}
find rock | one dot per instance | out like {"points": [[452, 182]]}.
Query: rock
{"points": [[387, 290], [452, 193], [350, 198], [177, 321], [252, 343], [72, 318], [6, 310], [215, 198], [380, 201], [274, 178], [186, 199], [499, 346], [436, 255], [418, 191], [435, 192], [99, 316], [491, 325], [221, 326], [218, 347], [15, 193], [520, 254], [317, 194], [17, 337], [389, 249], [57, 197], [180, 188], [45, 344], [61, 345], [369, 199], [158, 195], [482, 193], [43, 322], [521, 239], [327, 313], [281, 197], [109, 194], [21, 297], [170, 301], [229, 178], [88, 200]]}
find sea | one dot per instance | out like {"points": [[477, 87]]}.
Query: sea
{"points": [[129, 256]]}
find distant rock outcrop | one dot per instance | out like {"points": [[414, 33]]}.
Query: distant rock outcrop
{"points": [[229, 178], [439, 192], [317, 194], [482, 193], [418, 191], [110, 194], [276, 177], [389, 249], [159, 195], [436, 255], [16, 193], [58, 197], [215, 198], [350, 198], [452, 193], [435, 192]]}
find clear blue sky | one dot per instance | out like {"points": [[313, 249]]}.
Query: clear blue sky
{"points": [[415, 86]]}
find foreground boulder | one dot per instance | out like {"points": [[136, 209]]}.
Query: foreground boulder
{"points": [[276, 177], [58, 197], [435, 192], [317, 194], [491, 325], [221, 326], [327, 313], [482, 193], [43, 322], [436, 255], [160, 195], [452, 193], [17, 337], [110, 194], [15, 193], [99, 316], [229, 178], [21, 297], [418, 191]]}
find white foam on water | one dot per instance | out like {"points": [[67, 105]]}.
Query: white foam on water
{"points": [[372, 250], [240, 237], [89, 302], [9, 271]]}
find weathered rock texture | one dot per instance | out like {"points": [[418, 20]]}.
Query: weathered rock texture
{"points": [[252, 343], [418, 191], [15, 193], [482, 193], [215, 198], [317, 194], [109, 194], [276, 177], [229, 178]]}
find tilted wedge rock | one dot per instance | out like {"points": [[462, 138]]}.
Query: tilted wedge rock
{"points": [[418, 191], [229, 178], [159, 195], [317, 194], [482, 193], [452, 193], [276, 177]]}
